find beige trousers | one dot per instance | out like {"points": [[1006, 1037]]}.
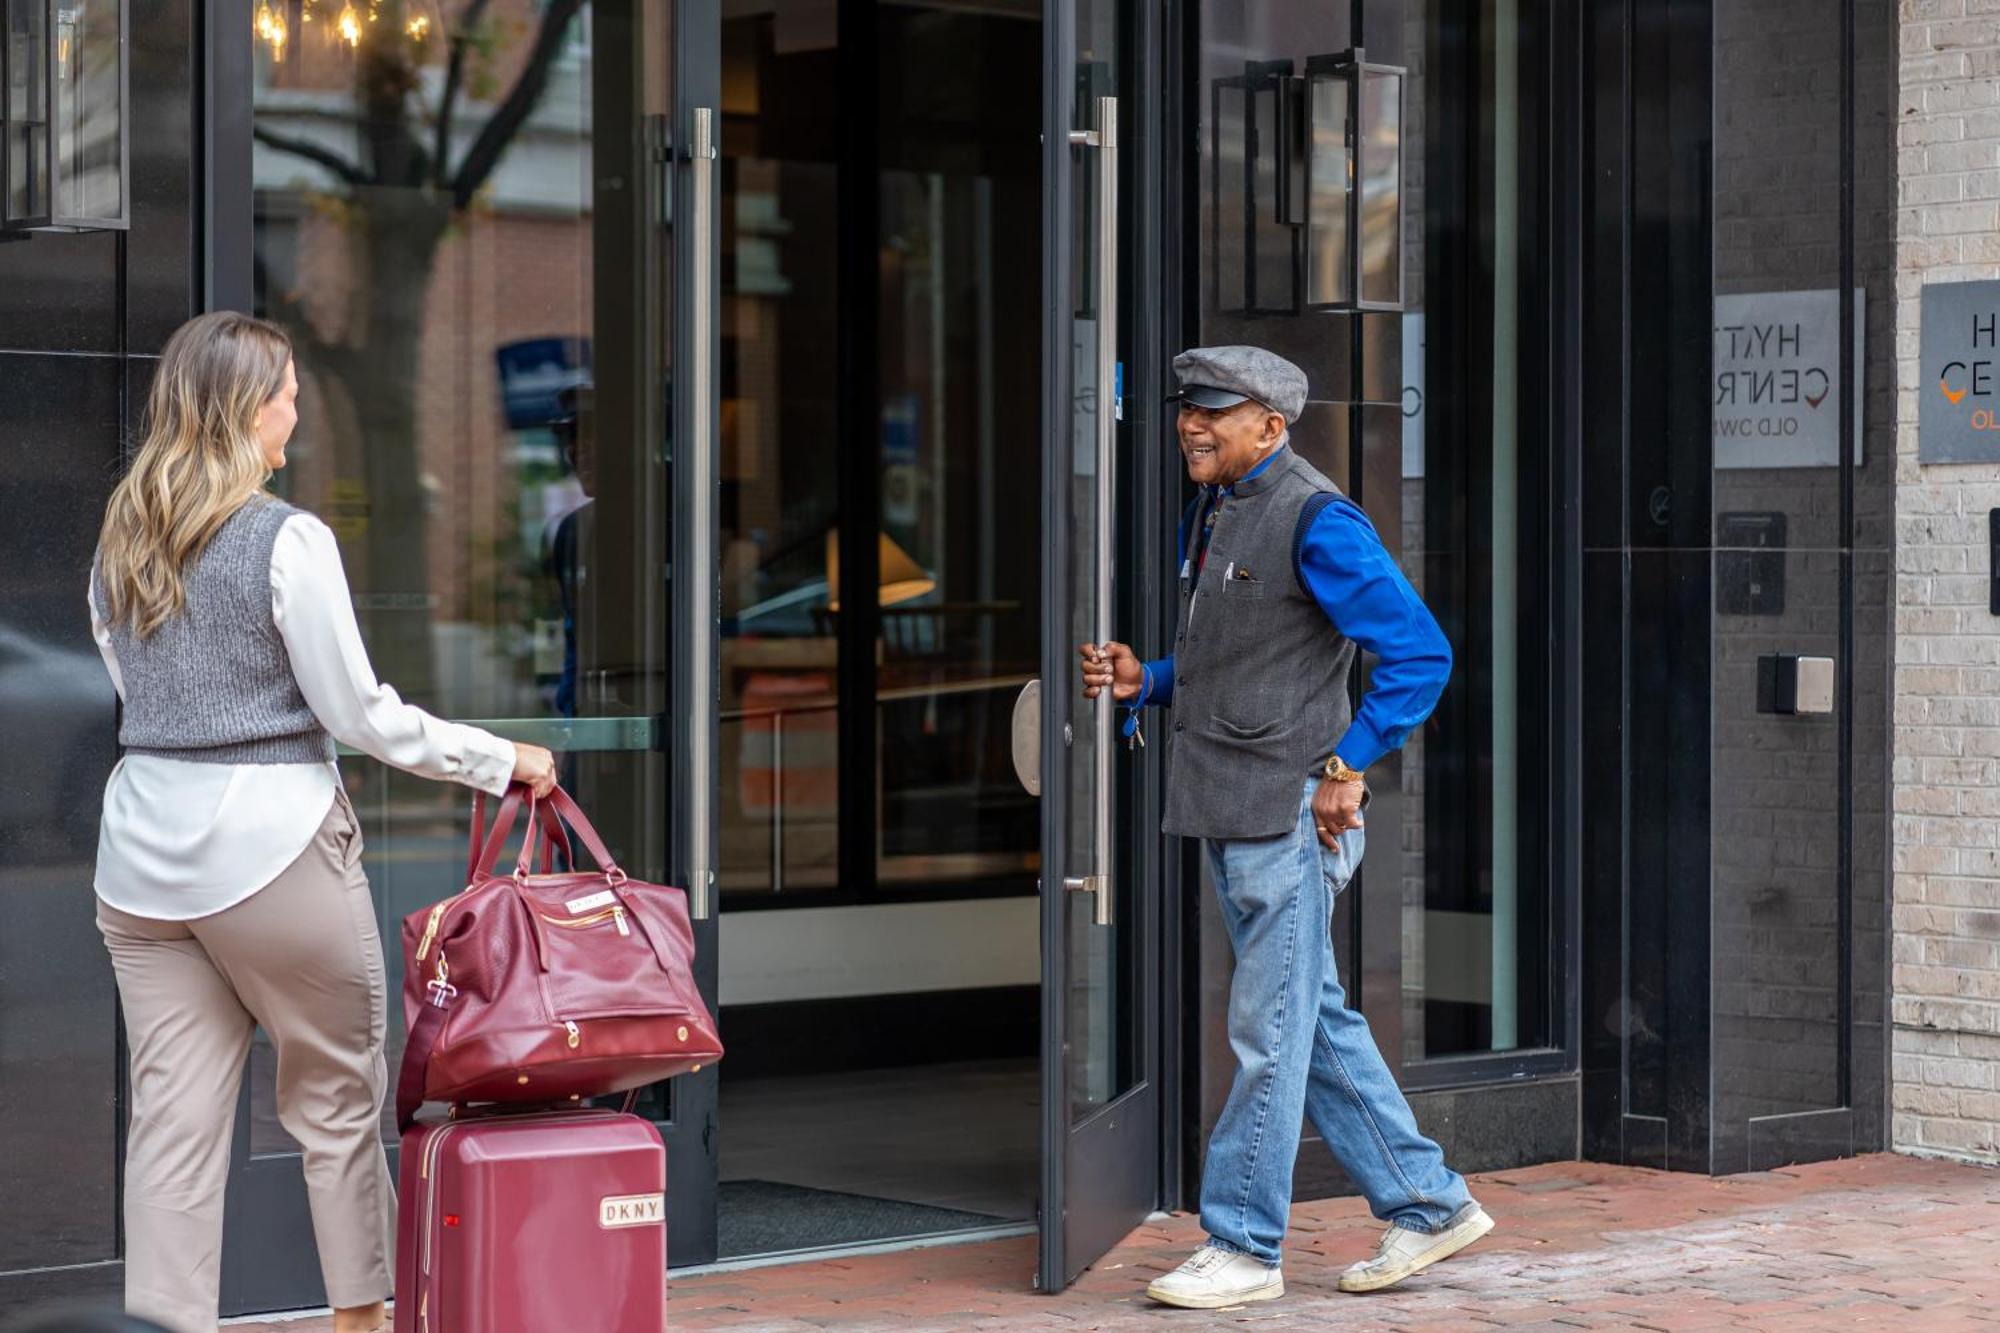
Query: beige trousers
{"points": [[302, 959]]}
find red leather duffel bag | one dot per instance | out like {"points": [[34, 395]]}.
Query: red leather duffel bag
{"points": [[549, 987]]}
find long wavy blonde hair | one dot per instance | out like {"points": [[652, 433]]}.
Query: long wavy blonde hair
{"points": [[199, 462]]}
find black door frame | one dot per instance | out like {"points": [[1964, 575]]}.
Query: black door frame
{"points": [[687, 1106], [1121, 1145]]}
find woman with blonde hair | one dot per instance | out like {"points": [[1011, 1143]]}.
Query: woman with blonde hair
{"points": [[229, 885]]}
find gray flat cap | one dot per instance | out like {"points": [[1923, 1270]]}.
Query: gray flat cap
{"points": [[1224, 376]]}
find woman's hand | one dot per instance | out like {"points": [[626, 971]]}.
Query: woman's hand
{"points": [[1111, 664], [535, 767]]}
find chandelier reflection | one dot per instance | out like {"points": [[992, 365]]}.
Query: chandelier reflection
{"points": [[272, 31], [276, 21]]}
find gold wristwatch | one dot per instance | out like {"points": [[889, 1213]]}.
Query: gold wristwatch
{"points": [[1338, 771]]}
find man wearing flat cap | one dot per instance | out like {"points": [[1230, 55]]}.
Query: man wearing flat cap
{"points": [[1281, 578]]}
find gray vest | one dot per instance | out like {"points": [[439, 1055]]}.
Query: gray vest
{"points": [[1260, 673], [214, 684]]}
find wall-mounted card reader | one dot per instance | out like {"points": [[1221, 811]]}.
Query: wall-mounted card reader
{"points": [[1993, 561], [1787, 683]]}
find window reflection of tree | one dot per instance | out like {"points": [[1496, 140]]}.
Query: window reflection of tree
{"points": [[398, 193]]}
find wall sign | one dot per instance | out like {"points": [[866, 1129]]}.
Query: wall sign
{"points": [[533, 374], [1777, 357], [1958, 417]]}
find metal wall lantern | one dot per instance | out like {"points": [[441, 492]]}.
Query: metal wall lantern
{"points": [[1307, 187], [64, 142]]}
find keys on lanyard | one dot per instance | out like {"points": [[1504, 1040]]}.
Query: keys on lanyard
{"points": [[1134, 738]]}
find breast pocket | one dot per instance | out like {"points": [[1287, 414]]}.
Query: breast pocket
{"points": [[1242, 590]]}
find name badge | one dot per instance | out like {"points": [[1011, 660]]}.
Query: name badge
{"points": [[578, 906]]}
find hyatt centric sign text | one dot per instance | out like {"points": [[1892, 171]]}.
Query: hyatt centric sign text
{"points": [[1777, 358], [1958, 391]]}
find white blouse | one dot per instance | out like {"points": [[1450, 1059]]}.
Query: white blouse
{"points": [[181, 840]]}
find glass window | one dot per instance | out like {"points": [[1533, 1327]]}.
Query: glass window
{"points": [[1477, 528], [1780, 577], [478, 423], [1435, 417], [27, 111], [948, 376], [90, 111]]}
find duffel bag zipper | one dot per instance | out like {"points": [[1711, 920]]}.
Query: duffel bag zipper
{"points": [[431, 929], [594, 919]]}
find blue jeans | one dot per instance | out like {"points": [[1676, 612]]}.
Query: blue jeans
{"points": [[1300, 1051]]}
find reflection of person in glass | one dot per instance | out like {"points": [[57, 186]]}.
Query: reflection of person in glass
{"points": [[1281, 578], [568, 539], [567, 558], [229, 881]]}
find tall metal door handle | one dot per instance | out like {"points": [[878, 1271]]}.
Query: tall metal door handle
{"points": [[1105, 140], [700, 474]]}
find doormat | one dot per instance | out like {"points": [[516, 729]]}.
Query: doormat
{"points": [[768, 1216]]}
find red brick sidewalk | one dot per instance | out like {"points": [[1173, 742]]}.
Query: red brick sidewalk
{"points": [[1881, 1242]]}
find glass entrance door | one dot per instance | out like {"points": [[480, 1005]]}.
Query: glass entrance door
{"points": [[1100, 1106], [601, 459], [489, 286], [880, 556]]}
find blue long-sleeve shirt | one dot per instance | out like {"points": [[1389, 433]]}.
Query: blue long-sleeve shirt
{"points": [[1358, 584]]}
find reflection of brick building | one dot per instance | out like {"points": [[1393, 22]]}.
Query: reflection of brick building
{"points": [[499, 279], [516, 264]]}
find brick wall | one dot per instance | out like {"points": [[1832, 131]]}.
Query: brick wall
{"points": [[1946, 1007]]}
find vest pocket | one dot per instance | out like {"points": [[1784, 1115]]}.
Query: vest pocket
{"points": [[1234, 731]]}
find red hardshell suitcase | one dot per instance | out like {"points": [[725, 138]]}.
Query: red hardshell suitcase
{"points": [[550, 1222]]}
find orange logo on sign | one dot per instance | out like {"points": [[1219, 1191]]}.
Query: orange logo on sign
{"points": [[1956, 398]]}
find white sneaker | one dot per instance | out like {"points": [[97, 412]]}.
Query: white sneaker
{"points": [[1403, 1251], [1216, 1277]]}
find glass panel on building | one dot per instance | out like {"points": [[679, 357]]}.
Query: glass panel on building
{"points": [[1780, 573], [448, 231], [879, 952], [1476, 521], [90, 108]]}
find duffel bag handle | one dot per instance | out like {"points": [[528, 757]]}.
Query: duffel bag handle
{"points": [[484, 851], [561, 803]]}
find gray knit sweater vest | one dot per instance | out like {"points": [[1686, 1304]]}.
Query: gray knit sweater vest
{"points": [[1260, 673], [214, 684]]}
